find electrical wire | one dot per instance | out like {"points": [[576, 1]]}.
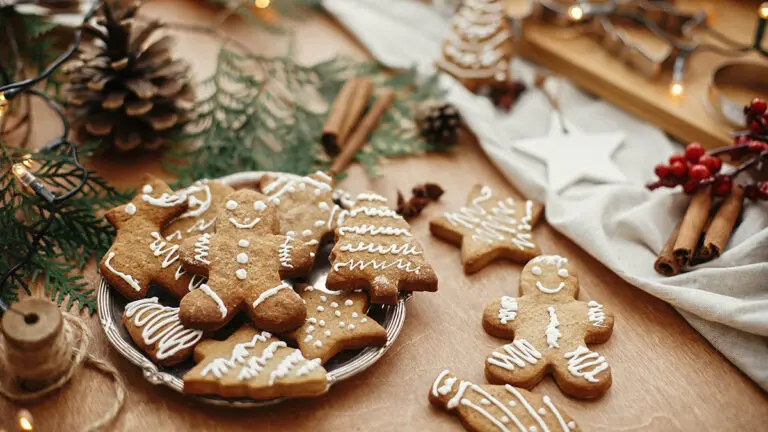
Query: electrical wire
{"points": [[11, 90]]}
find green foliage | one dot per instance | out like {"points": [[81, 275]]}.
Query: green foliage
{"points": [[76, 232], [267, 113]]}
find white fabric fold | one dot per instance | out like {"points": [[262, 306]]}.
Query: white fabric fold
{"points": [[623, 226]]}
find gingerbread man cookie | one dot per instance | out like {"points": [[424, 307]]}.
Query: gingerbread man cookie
{"points": [[254, 364], [131, 264], [490, 227], [203, 198], [307, 216], [242, 261], [156, 329], [550, 329], [494, 408], [375, 249], [336, 321]]}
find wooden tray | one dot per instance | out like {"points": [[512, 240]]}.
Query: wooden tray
{"points": [[588, 64]]}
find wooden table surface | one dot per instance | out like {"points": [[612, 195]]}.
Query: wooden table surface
{"points": [[663, 370]]}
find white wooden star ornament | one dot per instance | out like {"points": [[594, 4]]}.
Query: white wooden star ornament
{"points": [[574, 155]]}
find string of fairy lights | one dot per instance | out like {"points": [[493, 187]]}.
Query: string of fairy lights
{"points": [[583, 10]]}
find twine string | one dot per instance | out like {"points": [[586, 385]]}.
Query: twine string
{"points": [[62, 359]]}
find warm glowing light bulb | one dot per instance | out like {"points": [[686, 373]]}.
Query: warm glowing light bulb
{"points": [[676, 89], [575, 13], [3, 104], [763, 10], [261, 4], [25, 420], [19, 169]]}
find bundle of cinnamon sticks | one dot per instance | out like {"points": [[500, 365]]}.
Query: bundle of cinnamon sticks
{"points": [[702, 234], [346, 129]]}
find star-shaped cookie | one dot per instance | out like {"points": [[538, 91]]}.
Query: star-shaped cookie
{"points": [[336, 321], [490, 227]]}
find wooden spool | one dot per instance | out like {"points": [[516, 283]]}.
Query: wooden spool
{"points": [[31, 326]]}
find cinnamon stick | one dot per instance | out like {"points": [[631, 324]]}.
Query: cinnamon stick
{"points": [[359, 137], [336, 117], [361, 94], [692, 225], [722, 224], [666, 264]]}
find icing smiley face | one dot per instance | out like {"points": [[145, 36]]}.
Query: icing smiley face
{"points": [[248, 210], [548, 275]]}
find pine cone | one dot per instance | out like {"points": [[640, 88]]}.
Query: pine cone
{"points": [[438, 122], [125, 90]]}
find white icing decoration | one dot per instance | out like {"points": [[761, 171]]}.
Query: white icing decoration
{"points": [[490, 227], [536, 270], [201, 225], [130, 280], [313, 320], [517, 353], [254, 365], [528, 407], [161, 326], [306, 233], [202, 246], [347, 302], [243, 243], [375, 211], [310, 329], [563, 273], [321, 289], [308, 338], [215, 297], [377, 265], [555, 260], [323, 298], [269, 293], [196, 206], [370, 197], [334, 305], [242, 258], [552, 332], [170, 252], [319, 223], [219, 366], [342, 324], [548, 402], [318, 344], [350, 327], [130, 208], [404, 249], [595, 314], [327, 333], [259, 206], [542, 411], [571, 424], [578, 361], [231, 205], [285, 250], [321, 323], [546, 290], [485, 401], [289, 362], [147, 189], [337, 313], [323, 206], [508, 309], [436, 383], [354, 315], [373, 230], [320, 308], [245, 225], [164, 200], [364, 320]]}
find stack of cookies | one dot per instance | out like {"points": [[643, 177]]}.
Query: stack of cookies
{"points": [[231, 254]]}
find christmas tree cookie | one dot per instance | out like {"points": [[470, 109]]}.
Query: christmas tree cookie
{"points": [[254, 364], [550, 330], [131, 264], [479, 51], [242, 261], [490, 227], [493, 408], [307, 216], [336, 321], [375, 249]]}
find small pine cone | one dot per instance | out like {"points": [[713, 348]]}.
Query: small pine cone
{"points": [[438, 122], [125, 88]]}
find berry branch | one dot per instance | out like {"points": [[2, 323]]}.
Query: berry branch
{"points": [[696, 169]]}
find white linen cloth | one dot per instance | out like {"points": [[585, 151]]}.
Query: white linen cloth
{"points": [[624, 226]]}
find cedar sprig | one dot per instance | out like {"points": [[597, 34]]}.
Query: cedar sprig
{"points": [[76, 234]]}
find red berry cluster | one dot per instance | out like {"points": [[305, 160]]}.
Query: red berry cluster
{"points": [[692, 170], [756, 118]]}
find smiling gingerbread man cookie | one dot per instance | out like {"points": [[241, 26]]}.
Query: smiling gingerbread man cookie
{"points": [[242, 262], [550, 329]]}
